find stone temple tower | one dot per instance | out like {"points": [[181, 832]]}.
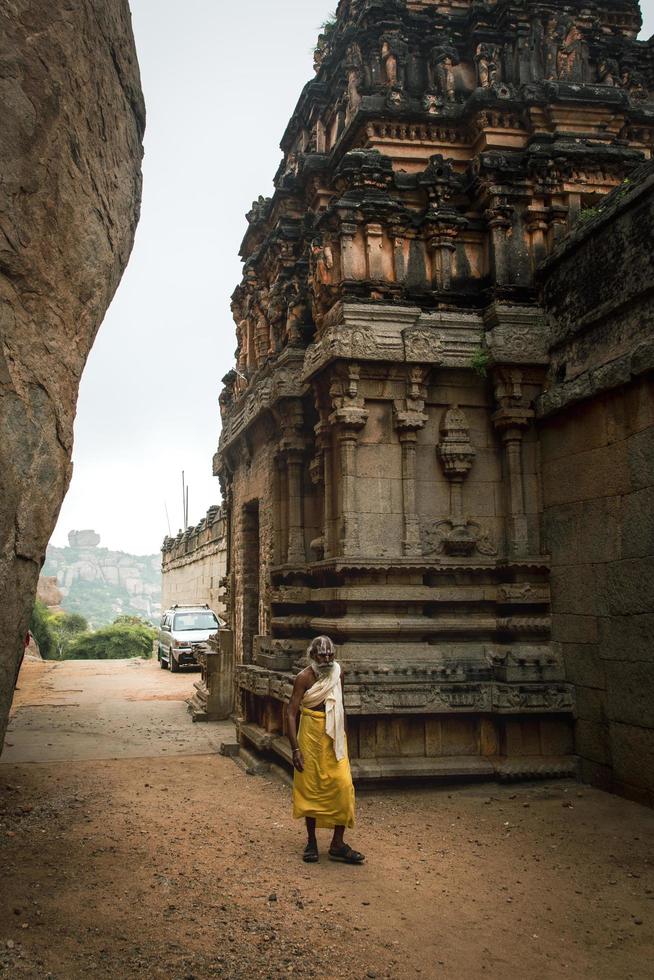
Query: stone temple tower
{"points": [[379, 455]]}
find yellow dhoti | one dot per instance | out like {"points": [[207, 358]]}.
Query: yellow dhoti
{"points": [[324, 790]]}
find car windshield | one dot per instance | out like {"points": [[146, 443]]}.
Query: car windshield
{"points": [[194, 621]]}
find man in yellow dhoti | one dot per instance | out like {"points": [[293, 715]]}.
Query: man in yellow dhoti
{"points": [[322, 786]]}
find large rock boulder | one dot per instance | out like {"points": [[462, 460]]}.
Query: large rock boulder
{"points": [[70, 183]]}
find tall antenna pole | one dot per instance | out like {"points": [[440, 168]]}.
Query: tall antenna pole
{"points": [[170, 534], [187, 506], [183, 500]]}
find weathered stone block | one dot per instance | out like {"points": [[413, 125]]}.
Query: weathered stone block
{"points": [[592, 741], [574, 629], [591, 704], [596, 472], [632, 750], [579, 589], [460, 736], [583, 666], [640, 458], [630, 692], [563, 436], [556, 736], [630, 586], [638, 523], [627, 637]]}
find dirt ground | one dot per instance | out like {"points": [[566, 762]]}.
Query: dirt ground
{"points": [[145, 853]]}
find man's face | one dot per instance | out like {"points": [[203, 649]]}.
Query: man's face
{"points": [[323, 657]]}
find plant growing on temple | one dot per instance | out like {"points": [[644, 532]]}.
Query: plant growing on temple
{"points": [[116, 642], [329, 23], [479, 362]]}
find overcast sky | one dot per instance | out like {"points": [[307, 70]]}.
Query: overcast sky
{"points": [[220, 81]]}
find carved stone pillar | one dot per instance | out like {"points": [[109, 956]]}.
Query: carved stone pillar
{"points": [[511, 420], [349, 417], [349, 427], [538, 227], [375, 250], [324, 477], [499, 220], [348, 258], [282, 508], [411, 540], [292, 448], [442, 245], [398, 233], [409, 419], [296, 550]]}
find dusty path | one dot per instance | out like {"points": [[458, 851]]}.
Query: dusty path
{"points": [[185, 867]]}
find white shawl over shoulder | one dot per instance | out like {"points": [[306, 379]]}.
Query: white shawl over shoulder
{"points": [[328, 690]]}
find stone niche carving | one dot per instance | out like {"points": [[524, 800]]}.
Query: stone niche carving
{"points": [[458, 538]]}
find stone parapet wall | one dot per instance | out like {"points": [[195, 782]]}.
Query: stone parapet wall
{"points": [[194, 564], [597, 446]]}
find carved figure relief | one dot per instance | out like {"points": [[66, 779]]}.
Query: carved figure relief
{"points": [[393, 60], [608, 72], [551, 43], [442, 78], [354, 67], [633, 81], [572, 55], [487, 60]]}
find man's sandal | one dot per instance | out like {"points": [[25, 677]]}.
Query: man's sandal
{"points": [[310, 854], [346, 854]]}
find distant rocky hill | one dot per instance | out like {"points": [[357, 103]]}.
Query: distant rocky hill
{"points": [[102, 584]]}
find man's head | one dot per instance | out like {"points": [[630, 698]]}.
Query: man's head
{"points": [[320, 655]]}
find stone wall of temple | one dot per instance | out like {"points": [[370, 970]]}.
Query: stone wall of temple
{"points": [[194, 563], [379, 455], [597, 440]]}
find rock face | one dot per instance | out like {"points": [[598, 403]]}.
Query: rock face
{"points": [[102, 584], [70, 156]]}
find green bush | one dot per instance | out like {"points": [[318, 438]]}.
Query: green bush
{"points": [[41, 630], [65, 628], [116, 642]]}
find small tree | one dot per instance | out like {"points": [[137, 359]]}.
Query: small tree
{"points": [[65, 628]]}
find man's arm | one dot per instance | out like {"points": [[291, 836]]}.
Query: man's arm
{"points": [[299, 687]]}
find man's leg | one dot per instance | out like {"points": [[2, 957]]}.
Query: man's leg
{"points": [[340, 851], [337, 839], [311, 850]]}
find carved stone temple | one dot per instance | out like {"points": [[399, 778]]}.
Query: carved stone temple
{"points": [[381, 455]]}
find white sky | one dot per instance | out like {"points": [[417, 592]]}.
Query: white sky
{"points": [[221, 79]]}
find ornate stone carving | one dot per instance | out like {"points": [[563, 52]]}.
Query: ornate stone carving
{"points": [[455, 449], [458, 538]]}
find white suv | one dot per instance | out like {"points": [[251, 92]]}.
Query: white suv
{"points": [[182, 629]]}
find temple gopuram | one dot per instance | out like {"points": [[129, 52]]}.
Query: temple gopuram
{"points": [[380, 455]]}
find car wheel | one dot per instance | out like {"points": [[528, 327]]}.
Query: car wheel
{"points": [[174, 666], [162, 662]]}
